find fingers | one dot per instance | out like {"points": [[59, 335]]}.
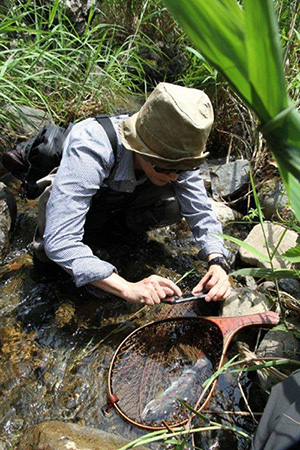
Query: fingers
{"points": [[152, 294], [170, 288], [151, 290], [157, 291], [218, 293], [216, 282], [201, 285]]}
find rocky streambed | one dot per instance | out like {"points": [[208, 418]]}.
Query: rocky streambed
{"points": [[56, 341]]}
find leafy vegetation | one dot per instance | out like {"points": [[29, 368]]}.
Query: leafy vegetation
{"points": [[291, 255], [127, 47], [227, 35], [47, 64]]}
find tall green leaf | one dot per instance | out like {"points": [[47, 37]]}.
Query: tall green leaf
{"points": [[246, 246], [52, 12], [264, 59], [243, 44], [216, 27]]}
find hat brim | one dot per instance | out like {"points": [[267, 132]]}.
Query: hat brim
{"points": [[132, 141]]}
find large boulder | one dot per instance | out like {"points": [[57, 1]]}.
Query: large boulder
{"points": [[78, 12], [230, 180], [23, 123], [245, 301], [277, 344], [224, 213], [273, 233], [26, 120]]}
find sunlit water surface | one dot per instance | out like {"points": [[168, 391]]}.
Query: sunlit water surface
{"points": [[57, 341]]}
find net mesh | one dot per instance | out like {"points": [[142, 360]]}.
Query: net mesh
{"points": [[161, 363]]}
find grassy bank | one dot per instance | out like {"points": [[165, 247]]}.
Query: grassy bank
{"points": [[123, 48]]}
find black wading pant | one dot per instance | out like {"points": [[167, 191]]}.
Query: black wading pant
{"points": [[279, 427], [149, 206]]}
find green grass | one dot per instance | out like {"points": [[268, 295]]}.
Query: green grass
{"points": [[46, 64], [125, 49]]}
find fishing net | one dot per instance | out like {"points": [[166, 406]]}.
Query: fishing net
{"points": [[160, 363]]}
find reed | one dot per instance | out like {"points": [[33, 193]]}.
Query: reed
{"points": [[46, 64]]}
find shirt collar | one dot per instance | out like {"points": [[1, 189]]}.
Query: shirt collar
{"points": [[125, 159]]}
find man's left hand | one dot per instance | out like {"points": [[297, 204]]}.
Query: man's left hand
{"points": [[216, 283]]}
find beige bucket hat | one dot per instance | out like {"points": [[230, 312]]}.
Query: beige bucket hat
{"points": [[171, 128]]}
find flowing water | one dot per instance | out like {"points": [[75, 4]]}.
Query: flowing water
{"points": [[56, 341]]}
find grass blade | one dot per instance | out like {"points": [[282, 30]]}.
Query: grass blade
{"points": [[269, 273], [246, 246]]}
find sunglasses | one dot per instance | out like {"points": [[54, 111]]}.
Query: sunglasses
{"points": [[167, 171]]}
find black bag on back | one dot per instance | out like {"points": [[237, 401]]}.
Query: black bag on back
{"points": [[37, 157], [44, 152]]}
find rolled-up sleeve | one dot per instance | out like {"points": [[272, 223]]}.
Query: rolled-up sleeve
{"points": [[196, 208], [86, 162]]}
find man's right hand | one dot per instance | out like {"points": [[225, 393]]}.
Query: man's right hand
{"points": [[148, 291], [151, 290]]}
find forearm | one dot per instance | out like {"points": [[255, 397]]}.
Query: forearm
{"points": [[148, 291], [114, 284]]}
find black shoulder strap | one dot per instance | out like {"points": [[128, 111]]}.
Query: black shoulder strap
{"points": [[106, 123]]}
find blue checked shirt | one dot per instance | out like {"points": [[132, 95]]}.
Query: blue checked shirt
{"points": [[87, 163]]}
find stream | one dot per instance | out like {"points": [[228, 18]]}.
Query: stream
{"points": [[57, 341]]}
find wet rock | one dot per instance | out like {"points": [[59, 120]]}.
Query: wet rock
{"points": [[4, 229], [8, 213], [230, 180], [57, 435], [19, 352], [64, 314], [273, 234], [245, 301], [14, 276], [11, 203], [290, 286], [277, 344], [274, 200], [224, 213], [29, 120]]}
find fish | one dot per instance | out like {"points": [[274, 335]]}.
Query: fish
{"points": [[160, 407]]}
